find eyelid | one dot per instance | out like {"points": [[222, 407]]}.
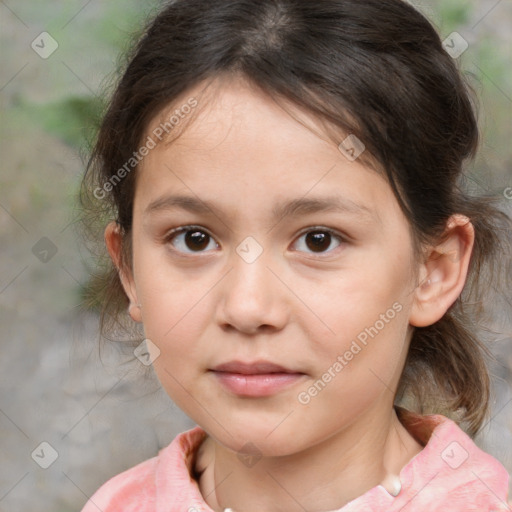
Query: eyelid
{"points": [[187, 227], [331, 231]]}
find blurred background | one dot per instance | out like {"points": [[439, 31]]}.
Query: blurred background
{"points": [[71, 416]]}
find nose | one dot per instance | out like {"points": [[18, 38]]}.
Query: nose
{"points": [[253, 298]]}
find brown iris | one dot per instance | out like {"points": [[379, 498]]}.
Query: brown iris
{"points": [[196, 240], [318, 241]]}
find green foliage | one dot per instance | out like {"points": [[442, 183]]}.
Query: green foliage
{"points": [[453, 13], [73, 120]]}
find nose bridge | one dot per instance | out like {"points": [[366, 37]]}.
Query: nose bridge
{"points": [[250, 275], [251, 295]]}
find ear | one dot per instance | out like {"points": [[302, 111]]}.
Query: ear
{"points": [[114, 241], [443, 274]]}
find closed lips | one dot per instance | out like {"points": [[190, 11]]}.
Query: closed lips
{"points": [[256, 368]]}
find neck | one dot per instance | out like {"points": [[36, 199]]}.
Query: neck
{"points": [[324, 477]]}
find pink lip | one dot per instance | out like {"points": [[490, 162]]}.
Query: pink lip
{"points": [[256, 379]]}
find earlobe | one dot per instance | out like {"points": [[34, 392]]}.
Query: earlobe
{"points": [[443, 274], [114, 243], [134, 310]]}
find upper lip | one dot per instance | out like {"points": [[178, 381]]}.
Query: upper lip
{"points": [[254, 368]]}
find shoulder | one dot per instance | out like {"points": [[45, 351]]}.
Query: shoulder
{"points": [[139, 488], [133, 489], [451, 470]]}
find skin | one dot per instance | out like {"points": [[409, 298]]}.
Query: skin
{"points": [[292, 306]]}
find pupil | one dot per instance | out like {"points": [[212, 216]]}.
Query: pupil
{"points": [[196, 240], [319, 241]]}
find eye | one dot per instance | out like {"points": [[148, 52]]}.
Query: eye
{"points": [[319, 240], [190, 239]]}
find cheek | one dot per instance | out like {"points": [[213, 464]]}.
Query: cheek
{"points": [[369, 294], [358, 368], [367, 347], [366, 310], [170, 296], [175, 311], [175, 324]]}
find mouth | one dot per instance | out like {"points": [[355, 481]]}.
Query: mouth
{"points": [[256, 379]]}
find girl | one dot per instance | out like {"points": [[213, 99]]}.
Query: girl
{"points": [[286, 224]]}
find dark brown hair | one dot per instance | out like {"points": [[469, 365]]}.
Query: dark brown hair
{"points": [[376, 69]]}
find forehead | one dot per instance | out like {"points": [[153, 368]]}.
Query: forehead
{"points": [[240, 145]]}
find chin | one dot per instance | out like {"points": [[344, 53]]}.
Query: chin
{"points": [[257, 438]]}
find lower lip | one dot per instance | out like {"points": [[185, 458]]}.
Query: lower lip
{"points": [[257, 385]]}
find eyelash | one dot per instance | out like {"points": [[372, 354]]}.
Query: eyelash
{"points": [[184, 229]]}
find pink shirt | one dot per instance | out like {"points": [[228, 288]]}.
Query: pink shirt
{"points": [[450, 474]]}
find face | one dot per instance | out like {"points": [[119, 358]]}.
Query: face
{"points": [[258, 245]]}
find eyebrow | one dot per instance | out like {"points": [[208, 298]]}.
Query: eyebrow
{"points": [[293, 207]]}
